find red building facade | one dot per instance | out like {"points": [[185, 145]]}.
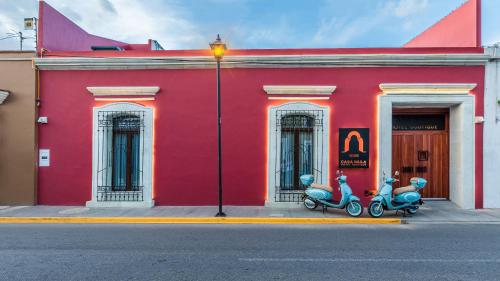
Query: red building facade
{"points": [[137, 127]]}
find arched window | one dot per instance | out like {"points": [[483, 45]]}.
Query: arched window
{"points": [[296, 150], [120, 156], [298, 145], [127, 172]]}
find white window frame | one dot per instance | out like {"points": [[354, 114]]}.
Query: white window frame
{"points": [[274, 146], [147, 146]]}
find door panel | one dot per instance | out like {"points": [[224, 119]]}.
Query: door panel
{"points": [[423, 154], [403, 157]]}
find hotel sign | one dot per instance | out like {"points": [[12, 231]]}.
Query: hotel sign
{"points": [[418, 122], [354, 148]]}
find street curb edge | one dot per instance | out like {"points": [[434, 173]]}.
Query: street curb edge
{"points": [[201, 220]]}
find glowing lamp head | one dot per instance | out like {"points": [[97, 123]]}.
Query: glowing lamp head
{"points": [[218, 48]]}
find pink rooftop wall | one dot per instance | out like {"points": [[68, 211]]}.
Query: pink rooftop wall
{"points": [[461, 28], [58, 33]]}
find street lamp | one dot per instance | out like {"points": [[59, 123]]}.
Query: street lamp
{"points": [[218, 48]]}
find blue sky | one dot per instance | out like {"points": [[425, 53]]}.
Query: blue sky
{"points": [[191, 24]]}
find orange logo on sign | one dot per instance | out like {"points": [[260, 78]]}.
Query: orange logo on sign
{"points": [[347, 142]]}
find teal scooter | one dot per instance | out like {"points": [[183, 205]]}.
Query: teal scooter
{"points": [[316, 195], [406, 198]]}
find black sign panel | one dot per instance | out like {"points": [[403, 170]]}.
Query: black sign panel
{"points": [[354, 148], [418, 122]]}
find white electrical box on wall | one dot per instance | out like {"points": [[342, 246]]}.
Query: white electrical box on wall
{"points": [[43, 120], [44, 158]]}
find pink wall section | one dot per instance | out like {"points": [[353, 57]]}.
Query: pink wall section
{"points": [[461, 28], [185, 127], [58, 33]]}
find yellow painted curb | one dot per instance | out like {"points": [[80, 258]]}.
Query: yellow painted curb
{"points": [[201, 220]]}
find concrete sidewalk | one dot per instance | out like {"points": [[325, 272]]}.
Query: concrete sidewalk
{"points": [[447, 212], [431, 212]]}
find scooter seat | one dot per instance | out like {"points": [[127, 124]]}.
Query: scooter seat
{"points": [[404, 189], [319, 194], [322, 186]]}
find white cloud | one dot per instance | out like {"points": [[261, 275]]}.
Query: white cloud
{"points": [[131, 21], [407, 11], [341, 31], [491, 41], [12, 14], [6, 23], [405, 8], [134, 21], [263, 35], [107, 5]]}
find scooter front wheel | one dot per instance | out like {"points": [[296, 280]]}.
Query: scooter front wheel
{"points": [[354, 208], [310, 204], [376, 209]]}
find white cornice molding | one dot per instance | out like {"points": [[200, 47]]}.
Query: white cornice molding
{"points": [[3, 95], [299, 90], [426, 88], [283, 61], [123, 91]]}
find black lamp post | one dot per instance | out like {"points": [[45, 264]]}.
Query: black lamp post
{"points": [[218, 48]]}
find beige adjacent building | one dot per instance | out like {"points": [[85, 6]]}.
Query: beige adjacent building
{"points": [[17, 128]]}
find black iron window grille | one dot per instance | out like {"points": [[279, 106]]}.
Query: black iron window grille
{"points": [[299, 151], [120, 160]]}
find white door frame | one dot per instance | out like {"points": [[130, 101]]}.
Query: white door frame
{"points": [[457, 97]]}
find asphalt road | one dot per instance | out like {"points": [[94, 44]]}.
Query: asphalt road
{"points": [[249, 252]]}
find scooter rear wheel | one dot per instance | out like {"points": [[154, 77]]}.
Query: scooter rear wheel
{"points": [[310, 204], [376, 209], [354, 208], [412, 211]]}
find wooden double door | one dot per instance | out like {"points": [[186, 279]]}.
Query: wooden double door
{"points": [[420, 148]]}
